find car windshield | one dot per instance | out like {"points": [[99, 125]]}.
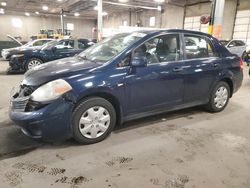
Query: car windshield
{"points": [[28, 44], [111, 47], [50, 44]]}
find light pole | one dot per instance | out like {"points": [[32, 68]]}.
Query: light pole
{"points": [[99, 19], [216, 18], [62, 20]]}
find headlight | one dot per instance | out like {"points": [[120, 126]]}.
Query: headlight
{"points": [[51, 91], [18, 55]]}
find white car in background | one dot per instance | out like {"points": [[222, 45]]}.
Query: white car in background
{"points": [[237, 47]]}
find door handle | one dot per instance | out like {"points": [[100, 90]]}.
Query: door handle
{"points": [[177, 69]]}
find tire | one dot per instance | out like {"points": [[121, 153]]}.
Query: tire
{"points": [[214, 104], [93, 117], [32, 63]]}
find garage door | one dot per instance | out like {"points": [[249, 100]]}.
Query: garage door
{"points": [[193, 23], [242, 26]]}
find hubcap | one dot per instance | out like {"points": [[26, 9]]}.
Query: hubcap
{"points": [[94, 122], [33, 63], [221, 97]]}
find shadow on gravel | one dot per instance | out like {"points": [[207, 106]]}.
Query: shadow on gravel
{"points": [[159, 118], [3, 73], [10, 73], [14, 143]]}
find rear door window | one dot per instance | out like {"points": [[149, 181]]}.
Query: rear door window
{"points": [[198, 47]]}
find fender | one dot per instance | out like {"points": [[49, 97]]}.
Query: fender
{"points": [[107, 94], [224, 75]]}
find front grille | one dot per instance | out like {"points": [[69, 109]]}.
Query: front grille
{"points": [[19, 104], [21, 98]]}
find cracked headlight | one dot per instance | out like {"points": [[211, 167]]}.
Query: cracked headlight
{"points": [[51, 91]]}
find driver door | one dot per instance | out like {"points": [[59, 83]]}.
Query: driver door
{"points": [[160, 84]]}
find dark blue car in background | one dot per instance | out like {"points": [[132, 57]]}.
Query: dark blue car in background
{"points": [[25, 59], [125, 77]]}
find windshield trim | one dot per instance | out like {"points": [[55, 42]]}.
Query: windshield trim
{"points": [[140, 36]]}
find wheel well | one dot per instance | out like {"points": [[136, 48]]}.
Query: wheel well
{"points": [[112, 99], [26, 62], [230, 83], [35, 58]]}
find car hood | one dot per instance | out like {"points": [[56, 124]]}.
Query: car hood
{"points": [[13, 38], [63, 68], [23, 48]]}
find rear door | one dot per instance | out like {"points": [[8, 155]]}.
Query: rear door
{"points": [[202, 66]]}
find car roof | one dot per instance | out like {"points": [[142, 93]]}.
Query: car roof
{"points": [[173, 31], [43, 39], [72, 39]]}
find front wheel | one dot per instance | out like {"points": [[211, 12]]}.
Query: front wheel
{"points": [[93, 120], [219, 97], [31, 63]]}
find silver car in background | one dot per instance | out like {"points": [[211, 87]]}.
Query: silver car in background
{"points": [[237, 47]]}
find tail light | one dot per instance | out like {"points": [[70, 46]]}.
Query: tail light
{"points": [[241, 64]]}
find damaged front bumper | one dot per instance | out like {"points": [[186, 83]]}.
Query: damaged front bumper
{"points": [[50, 122], [16, 64]]}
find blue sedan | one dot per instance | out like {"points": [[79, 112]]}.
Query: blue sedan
{"points": [[125, 77], [25, 59]]}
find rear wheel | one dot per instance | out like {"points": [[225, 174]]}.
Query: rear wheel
{"points": [[219, 97], [93, 120], [31, 63]]}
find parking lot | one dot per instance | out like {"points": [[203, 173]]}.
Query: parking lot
{"points": [[187, 148]]}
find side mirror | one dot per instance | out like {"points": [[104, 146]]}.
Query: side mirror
{"points": [[230, 45], [139, 61]]}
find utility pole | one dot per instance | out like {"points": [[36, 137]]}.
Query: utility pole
{"points": [[62, 21], [216, 18], [99, 19]]}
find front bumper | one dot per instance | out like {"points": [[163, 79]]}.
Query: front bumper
{"points": [[16, 64], [51, 123]]}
